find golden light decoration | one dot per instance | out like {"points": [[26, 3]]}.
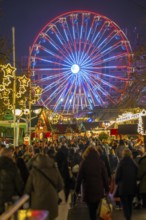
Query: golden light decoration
{"points": [[34, 100], [6, 102], [24, 81], [6, 81], [38, 90], [21, 102], [19, 94], [2, 87], [8, 70], [5, 93], [10, 107], [22, 90]]}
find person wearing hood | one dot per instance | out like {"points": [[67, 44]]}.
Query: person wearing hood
{"points": [[126, 180], [43, 184], [11, 183]]}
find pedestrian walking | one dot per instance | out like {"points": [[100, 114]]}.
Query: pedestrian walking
{"points": [[94, 179], [126, 180], [43, 185]]}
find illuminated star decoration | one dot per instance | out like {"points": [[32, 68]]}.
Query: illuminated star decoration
{"points": [[22, 90], [38, 91], [6, 93], [6, 81], [10, 107], [9, 71], [6, 102], [24, 81], [18, 95], [2, 87], [34, 100]]}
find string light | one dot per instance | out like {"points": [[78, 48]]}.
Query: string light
{"points": [[140, 123]]}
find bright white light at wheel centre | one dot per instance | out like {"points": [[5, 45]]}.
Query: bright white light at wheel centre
{"points": [[75, 68]]}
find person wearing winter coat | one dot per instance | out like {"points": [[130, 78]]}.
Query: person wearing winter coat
{"points": [[44, 192], [113, 160], [141, 176], [94, 179], [119, 149], [63, 166], [11, 183], [126, 180]]}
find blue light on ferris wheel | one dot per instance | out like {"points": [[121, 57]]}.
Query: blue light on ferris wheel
{"points": [[87, 60]]}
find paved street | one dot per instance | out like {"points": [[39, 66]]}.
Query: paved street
{"points": [[137, 215], [117, 214]]}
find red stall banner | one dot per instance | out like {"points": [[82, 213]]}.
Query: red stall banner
{"points": [[114, 131], [48, 134]]}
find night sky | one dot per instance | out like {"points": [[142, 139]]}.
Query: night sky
{"points": [[30, 16]]}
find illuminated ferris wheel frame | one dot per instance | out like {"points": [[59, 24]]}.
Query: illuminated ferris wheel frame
{"points": [[81, 59]]}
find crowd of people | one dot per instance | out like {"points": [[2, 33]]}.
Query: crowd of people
{"points": [[100, 168]]}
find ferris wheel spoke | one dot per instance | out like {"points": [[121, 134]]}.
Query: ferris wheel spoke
{"points": [[105, 36], [51, 62], [100, 74], [89, 87], [51, 53], [117, 57], [111, 86], [65, 46], [77, 41], [60, 98], [96, 35], [68, 99], [97, 55], [60, 83], [106, 41], [97, 96], [97, 49], [107, 51], [101, 89], [56, 91], [60, 49], [83, 37], [67, 40]]}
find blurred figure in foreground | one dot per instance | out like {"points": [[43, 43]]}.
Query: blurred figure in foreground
{"points": [[11, 183], [43, 185]]}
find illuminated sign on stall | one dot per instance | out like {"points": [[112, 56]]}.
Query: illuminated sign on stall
{"points": [[141, 117], [127, 117], [142, 123]]}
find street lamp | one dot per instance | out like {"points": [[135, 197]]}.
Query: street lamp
{"points": [[17, 113], [28, 118]]}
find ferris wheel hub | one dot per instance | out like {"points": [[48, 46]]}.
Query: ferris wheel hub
{"points": [[75, 68]]}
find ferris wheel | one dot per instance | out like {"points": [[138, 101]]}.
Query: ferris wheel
{"points": [[82, 60]]}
